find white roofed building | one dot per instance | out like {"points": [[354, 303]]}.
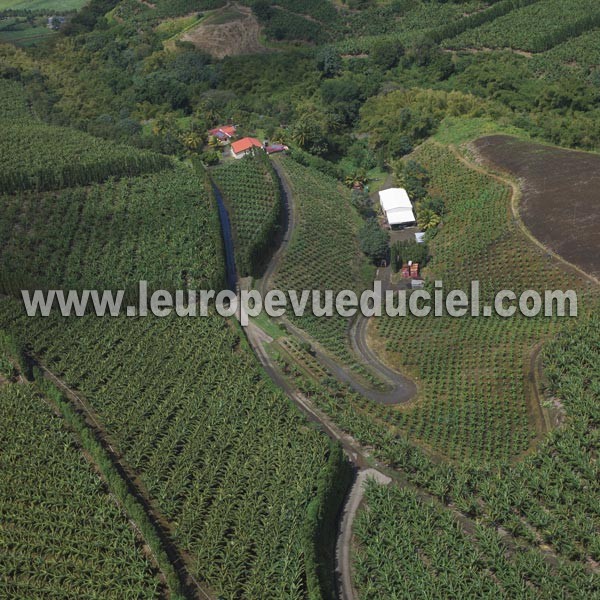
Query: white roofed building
{"points": [[397, 206]]}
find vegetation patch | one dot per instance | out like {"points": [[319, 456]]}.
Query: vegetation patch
{"points": [[251, 190], [113, 235], [555, 21], [473, 372], [324, 252], [44, 157], [229, 461], [37, 5], [56, 511]]}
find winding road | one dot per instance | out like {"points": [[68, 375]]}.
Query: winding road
{"points": [[399, 389]]}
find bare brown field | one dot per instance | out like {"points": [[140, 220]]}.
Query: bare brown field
{"points": [[560, 201], [232, 31]]}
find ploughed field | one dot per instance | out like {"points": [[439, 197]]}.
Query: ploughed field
{"points": [[560, 201]]}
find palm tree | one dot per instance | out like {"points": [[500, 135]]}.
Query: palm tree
{"points": [[427, 219], [356, 179], [191, 140]]}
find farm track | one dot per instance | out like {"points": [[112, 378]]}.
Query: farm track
{"points": [[180, 561], [355, 452], [359, 456], [401, 389]]}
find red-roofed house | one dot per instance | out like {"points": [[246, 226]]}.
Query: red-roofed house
{"points": [[240, 148], [224, 133]]}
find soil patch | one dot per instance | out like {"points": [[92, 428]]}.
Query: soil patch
{"points": [[560, 201], [232, 32]]}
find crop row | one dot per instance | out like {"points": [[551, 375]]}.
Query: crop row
{"points": [[437, 555], [555, 22], [14, 102], [161, 228], [323, 253], [228, 460], [63, 535], [401, 24], [133, 10], [45, 157], [472, 372], [582, 51], [549, 498], [473, 384]]}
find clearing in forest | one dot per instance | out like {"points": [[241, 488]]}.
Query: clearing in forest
{"points": [[232, 31]]}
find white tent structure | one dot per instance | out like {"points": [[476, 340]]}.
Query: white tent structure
{"points": [[397, 206]]}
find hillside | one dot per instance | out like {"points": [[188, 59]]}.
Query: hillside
{"points": [[58, 506], [219, 146]]}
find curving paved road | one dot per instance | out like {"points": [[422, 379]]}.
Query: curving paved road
{"points": [[400, 388]]}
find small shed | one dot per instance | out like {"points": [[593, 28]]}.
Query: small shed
{"points": [[397, 207]]}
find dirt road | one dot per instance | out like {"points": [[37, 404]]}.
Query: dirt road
{"points": [[344, 544]]}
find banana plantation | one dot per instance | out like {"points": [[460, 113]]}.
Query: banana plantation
{"points": [[251, 190], [228, 461], [63, 533], [113, 235]]}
